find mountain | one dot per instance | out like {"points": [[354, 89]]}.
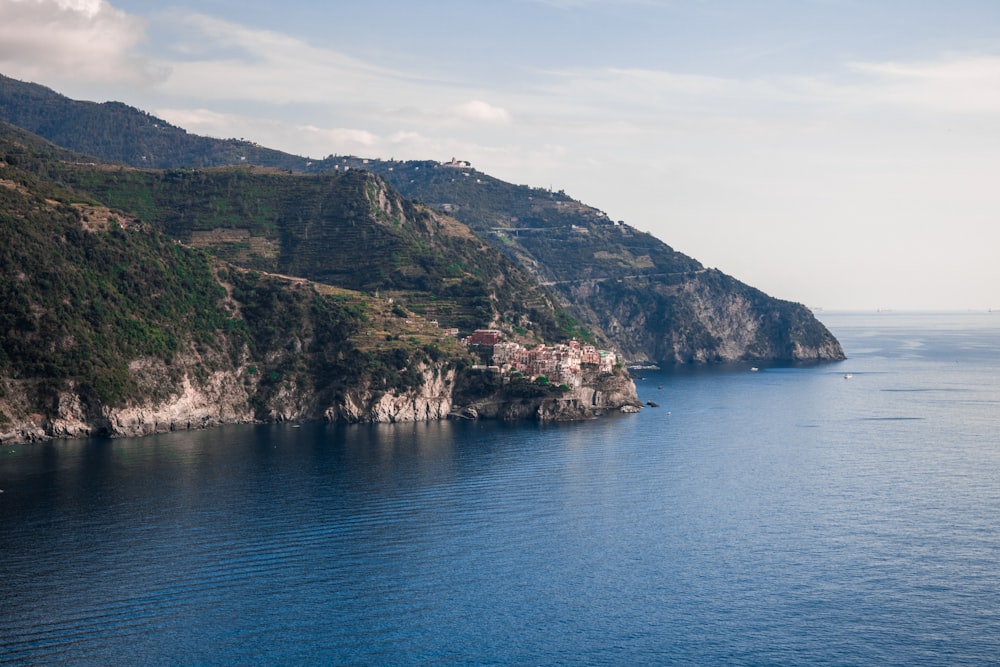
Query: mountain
{"points": [[625, 286], [111, 326], [654, 303]]}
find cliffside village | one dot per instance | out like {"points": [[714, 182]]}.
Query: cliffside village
{"points": [[561, 364]]}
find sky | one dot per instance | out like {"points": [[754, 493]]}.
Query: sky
{"points": [[843, 154]]}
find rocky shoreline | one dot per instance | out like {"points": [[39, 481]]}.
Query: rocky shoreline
{"points": [[224, 398]]}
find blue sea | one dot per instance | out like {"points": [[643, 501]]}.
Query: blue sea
{"points": [[838, 514]]}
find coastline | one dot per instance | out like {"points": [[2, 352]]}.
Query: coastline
{"points": [[222, 399]]}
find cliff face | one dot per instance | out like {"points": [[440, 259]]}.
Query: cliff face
{"points": [[704, 317], [598, 395], [431, 401], [227, 397], [220, 397]]}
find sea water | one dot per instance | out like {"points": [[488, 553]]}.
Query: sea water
{"points": [[840, 514]]}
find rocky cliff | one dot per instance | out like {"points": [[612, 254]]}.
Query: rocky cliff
{"points": [[197, 400], [706, 317], [598, 395], [430, 401], [628, 287]]}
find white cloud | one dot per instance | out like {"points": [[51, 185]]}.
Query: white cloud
{"points": [[90, 8], [198, 121], [69, 40], [350, 138], [950, 85], [270, 67], [478, 111], [956, 84], [229, 66], [301, 139]]}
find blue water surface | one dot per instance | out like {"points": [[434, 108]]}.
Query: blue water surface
{"points": [[788, 515]]}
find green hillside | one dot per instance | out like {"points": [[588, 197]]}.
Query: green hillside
{"points": [[105, 306], [348, 230], [623, 285]]}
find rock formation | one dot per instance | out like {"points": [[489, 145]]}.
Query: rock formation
{"points": [[226, 397]]}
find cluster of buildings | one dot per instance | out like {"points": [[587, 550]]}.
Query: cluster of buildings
{"points": [[561, 364]]}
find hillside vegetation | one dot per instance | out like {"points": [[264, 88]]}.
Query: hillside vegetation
{"points": [[620, 284], [102, 310], [348, 230]]}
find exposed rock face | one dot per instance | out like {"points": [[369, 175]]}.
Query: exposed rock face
{"points": [[225, 397], [598, 395], [708, 317], [433, 400], [198, 399], [221, 399]]}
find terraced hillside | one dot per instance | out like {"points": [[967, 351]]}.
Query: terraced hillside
{"points": [[625, 286], [349, 230]]}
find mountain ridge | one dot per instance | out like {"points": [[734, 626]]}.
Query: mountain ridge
{"points": [[626, 286]]}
